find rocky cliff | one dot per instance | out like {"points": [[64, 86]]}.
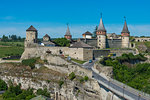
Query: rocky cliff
{"points": [[49, 75]]}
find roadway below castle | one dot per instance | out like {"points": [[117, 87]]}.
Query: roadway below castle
{"points": [[113, 85]]}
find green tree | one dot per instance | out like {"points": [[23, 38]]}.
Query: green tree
{"points": [[3, 85], [4, 38], [94, 33], [61, 83], [63, 42], [43, 92]]}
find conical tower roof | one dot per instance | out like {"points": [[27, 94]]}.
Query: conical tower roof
{"points": [[101, 26], [68, 31], [31, 28], [125, 28]]}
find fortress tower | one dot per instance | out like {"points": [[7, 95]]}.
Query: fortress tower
{"points": [[125, 34], [68, 34], [101, 35], [31, 36]]}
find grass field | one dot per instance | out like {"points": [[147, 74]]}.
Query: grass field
{"points": [[1, 98], [11, 48], [78, 61], [18, 44], [147, 44]]}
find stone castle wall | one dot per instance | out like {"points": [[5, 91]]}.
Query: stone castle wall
{"points": [[110, 43], [114, 43], [76, 53], [144, 39], [99, 53], [119, 52], [91, 42]]}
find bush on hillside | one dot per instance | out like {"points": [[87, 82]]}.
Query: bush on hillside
{"points": [[15, 93], [61, 83], [29, 62], [86, 78], [43, 92], [72, 76], [3, 85]]}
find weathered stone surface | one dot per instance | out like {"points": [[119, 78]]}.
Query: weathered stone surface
{"points": [[71, 90], [106, 70]]}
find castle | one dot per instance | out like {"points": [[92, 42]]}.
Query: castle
{"points": [[83, 49], [104, 40]]}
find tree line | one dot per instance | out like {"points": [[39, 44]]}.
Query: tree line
{"points": [[12, 38]]}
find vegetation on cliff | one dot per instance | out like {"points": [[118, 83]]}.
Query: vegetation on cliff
{"points": [[136, 76], [16, 93], [3, 85], [29, 62]]}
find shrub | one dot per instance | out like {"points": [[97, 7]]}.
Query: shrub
{"points": [[45, 61], [81, 80], [48, 81], [3, 85], [86, 78], [29, 62], [63, 42], [61, 83], [43, 92], [72, 76]]}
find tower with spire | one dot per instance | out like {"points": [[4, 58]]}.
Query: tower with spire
{"points": [[31, 36], [68, 34], [101, 35], [125, 34]]}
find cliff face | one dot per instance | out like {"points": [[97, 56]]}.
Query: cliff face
{"points": [[49, 76]]}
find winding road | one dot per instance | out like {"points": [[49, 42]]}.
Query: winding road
{"points": [[112, 85]]}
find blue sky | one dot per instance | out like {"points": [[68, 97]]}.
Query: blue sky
{"points": [[50, 16]]}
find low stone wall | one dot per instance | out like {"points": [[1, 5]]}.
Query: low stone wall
{"points": [[144, 39], [119, 52], [99, 53]]}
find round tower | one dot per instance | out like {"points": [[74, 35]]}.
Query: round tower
{"points": [[101, 35], [68, 34], [125, 34], [31, 36]]}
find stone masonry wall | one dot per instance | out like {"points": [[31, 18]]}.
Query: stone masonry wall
{"points": [[119, 52], [61, 65], [76, 53]]}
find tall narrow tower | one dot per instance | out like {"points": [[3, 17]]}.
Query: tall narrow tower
{"points": [[31, 36], [68, 34], [101, 35], [125, 34]]}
